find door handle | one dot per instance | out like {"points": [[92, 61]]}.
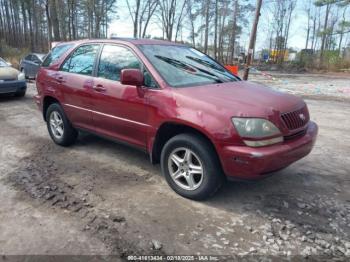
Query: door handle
{"points": [[99, 88]]}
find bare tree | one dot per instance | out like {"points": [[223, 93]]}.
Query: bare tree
{"points": [[148, 9], [171, 14], [134, 13]]}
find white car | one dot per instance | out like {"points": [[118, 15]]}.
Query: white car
{"points": [[12, 81]]}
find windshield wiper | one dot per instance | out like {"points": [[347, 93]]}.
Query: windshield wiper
{"points": [[213, 66], [190, 68], [205, 63]]}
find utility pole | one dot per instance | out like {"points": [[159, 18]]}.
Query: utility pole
{"points": [[252, 39]]}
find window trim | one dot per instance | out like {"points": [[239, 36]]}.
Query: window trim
{"points": [[72, 52], [70, 46], [143, 66]]}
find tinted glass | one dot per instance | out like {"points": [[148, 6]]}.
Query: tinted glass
{"points": [[35, 59], [40, 56], [81, 61], [28, 58], [181, 66], [148, 80], [114, 59], [56, 54]]}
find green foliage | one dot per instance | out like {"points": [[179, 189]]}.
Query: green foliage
{"points": [[332, 61], [332, 58], [306, 60]]}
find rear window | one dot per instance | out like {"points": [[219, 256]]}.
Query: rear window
{"points": [[55, 54]]}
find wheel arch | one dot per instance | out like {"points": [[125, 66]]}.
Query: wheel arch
{"points": [[168, 130], [47, 101]]}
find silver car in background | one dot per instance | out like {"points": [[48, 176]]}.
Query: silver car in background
{"points": [[31, 64]]}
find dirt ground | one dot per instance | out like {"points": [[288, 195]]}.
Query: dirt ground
{"points": [[327, 86], [102, 198]]}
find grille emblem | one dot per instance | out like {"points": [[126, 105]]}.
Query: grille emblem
{"points": [[302, 117]]}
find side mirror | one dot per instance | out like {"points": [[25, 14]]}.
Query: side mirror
{"points": [[132, 77]]}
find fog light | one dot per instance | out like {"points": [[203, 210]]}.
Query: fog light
{"points": [[266, 142]]}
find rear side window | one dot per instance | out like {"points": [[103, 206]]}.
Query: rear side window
{"points": [[82, 60], [28, 58], [56, 54], [114, 59]]}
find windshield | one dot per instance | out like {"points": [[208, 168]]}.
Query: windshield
{"points": [[3, 63], [182, 66], [41, 56]]}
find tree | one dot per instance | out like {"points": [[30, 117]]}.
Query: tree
{"points": [[328, 4], [283, 11], [171, 14], [134, 13], [36, 23]]}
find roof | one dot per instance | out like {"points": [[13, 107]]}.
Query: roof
{"points": [[135, 41], [145, 41]]}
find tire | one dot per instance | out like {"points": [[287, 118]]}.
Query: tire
{"points": [[21, 93], [202, 154], [64, 134]]}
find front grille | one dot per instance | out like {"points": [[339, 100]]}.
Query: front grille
{"points": [[296, 119]]}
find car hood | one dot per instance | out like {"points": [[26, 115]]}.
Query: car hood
{"points": [[8, 72], [244, 99]]}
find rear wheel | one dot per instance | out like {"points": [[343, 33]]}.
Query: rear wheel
{"points": [[60, 129], [191, 166]]}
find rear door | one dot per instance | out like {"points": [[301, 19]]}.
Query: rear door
{"points": [[76, 81], [118, 110]]}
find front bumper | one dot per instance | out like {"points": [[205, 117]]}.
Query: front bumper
{"points": [[247, 163], [15, 86]]}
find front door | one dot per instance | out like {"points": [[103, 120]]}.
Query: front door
{"points": [[118, 110]]}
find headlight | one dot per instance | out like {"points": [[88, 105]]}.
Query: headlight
{"points": [[21, 76], [257, 128]]}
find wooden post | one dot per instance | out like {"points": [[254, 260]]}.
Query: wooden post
{"points": [[252, 39]]}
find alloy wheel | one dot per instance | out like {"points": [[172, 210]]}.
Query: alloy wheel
{"points": [[56, 125], [185, 168]]}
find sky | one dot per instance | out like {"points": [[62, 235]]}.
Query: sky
{"points": [[123, 27]]}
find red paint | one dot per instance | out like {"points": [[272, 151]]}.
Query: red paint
{"points": [[132, 77], [135, 113]]}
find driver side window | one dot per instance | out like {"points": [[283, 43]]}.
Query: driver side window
{"points": [[148, 79], [114, 59]]}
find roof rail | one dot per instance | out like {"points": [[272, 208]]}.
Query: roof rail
{"points": [[123, 38]]}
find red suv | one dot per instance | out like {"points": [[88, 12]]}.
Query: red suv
{"points": [[177, 104]]}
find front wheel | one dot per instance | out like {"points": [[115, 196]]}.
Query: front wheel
{"points": [[191, 167], [60, 129]]}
